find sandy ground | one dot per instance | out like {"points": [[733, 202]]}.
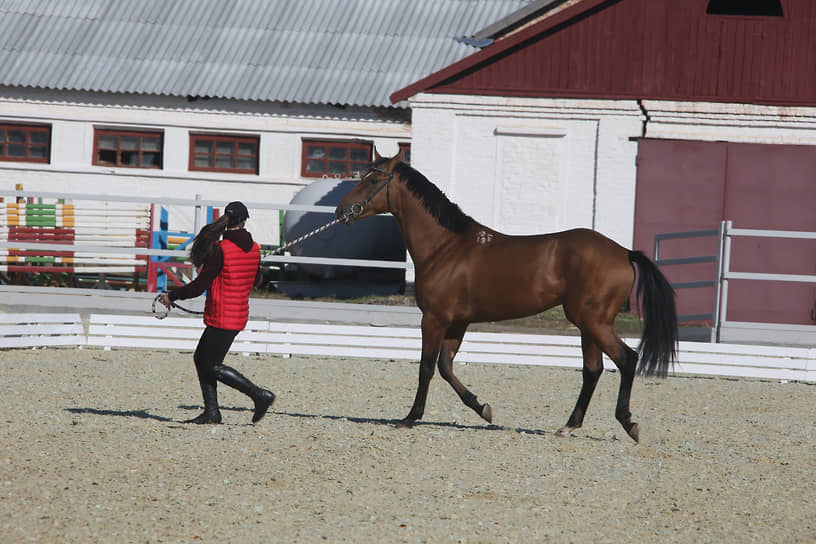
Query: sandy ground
{"points": [[92, 451]]}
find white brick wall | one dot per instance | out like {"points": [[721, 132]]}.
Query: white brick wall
{"points": [[73, 117], [747, 123], [526, 165], [520, 165]]}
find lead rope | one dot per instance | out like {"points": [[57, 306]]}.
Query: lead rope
{"points": [[163, 310], [296, 241]]}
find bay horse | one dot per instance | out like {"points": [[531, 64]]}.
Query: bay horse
{"points": [[467, 273]]}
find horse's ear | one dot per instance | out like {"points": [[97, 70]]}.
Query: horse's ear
{"points": [[377, 155], [400, 156]]}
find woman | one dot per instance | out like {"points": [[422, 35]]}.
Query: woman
{"points": [[229, 269]]}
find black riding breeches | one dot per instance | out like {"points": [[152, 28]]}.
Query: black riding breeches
{"points": [[211, 350]]}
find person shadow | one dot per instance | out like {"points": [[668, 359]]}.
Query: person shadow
{"points": [[144, 414], [141, 414]]}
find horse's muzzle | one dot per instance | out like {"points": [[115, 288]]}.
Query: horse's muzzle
{"points": [[349, 215]]}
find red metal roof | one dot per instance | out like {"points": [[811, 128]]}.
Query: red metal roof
{"points": [[657, 49]]}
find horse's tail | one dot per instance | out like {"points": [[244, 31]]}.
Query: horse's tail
{"points": [[658, 343]]}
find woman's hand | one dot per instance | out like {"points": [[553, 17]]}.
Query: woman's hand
{"points": [[164, 298]]}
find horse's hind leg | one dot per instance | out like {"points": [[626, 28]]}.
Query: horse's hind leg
{"points": [[625, 358], [626, 364], [593, 368], [450, 346]]}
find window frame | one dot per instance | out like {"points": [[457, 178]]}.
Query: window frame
{"points": [[348, 145], [28, 129], [119, 133], [235, 140], [405, 148], [712, 9]]}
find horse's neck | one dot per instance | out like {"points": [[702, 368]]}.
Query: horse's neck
{"points": [[424, 237]]}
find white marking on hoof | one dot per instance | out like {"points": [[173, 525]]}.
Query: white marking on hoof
{"points": [[487, 413]]}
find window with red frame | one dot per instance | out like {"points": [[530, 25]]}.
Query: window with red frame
{"points": [[24, 143], [221, 153], [406, 152], [128, 149], [334, 159]]}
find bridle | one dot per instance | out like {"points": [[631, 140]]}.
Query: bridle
{"points": [[358, 207]]}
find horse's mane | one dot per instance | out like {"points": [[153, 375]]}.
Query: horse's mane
{"points": [[448, 214]]}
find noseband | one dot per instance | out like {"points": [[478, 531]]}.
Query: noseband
{"points": [[358, 207]]}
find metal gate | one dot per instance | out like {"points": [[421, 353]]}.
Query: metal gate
{"points": [[718, 316], [691, 186]]}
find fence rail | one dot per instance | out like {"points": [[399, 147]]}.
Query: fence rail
{"points": [[716, 259], [109, 331], [100, 248]]}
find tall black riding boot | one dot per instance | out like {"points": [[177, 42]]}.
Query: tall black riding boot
{"points": [[211, 412], [262, 398]]}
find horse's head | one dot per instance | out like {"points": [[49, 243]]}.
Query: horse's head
{"points": [[372, 195]]}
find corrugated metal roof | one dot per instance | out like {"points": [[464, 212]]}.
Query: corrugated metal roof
{"points": [[353, 52], [519, 18]]}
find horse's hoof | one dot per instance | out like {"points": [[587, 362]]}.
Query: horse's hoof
{"points": [[634, 432], [565, 431], [487, 413], [406, 423]]}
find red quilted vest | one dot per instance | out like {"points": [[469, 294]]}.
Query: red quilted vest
{"points": [[227, 304]]}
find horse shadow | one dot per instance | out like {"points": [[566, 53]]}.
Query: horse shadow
{"points": [[420, 423], [144, 414]]}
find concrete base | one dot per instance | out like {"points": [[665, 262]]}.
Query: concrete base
{"points": [[739, 332]]}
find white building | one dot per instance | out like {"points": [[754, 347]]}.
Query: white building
{"points": [[246, 100]]}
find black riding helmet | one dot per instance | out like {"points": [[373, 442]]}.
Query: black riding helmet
{"points": [[237, 212]]}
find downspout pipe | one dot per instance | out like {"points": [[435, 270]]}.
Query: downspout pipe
{"points": [[645, 114]]}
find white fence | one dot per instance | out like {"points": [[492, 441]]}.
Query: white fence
{"points": [[197, 208], [41, 330], [403, 343]]}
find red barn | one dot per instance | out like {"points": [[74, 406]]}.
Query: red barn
{"points": [[690, 112]]}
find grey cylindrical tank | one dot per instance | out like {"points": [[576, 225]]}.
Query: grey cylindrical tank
{"points": [[372, 238]]}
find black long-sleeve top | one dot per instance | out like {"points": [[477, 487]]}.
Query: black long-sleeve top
{"points": [[212, 267]]}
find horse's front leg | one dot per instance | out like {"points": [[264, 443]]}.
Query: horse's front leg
{"points": [[432, 333], [450, 347]]}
